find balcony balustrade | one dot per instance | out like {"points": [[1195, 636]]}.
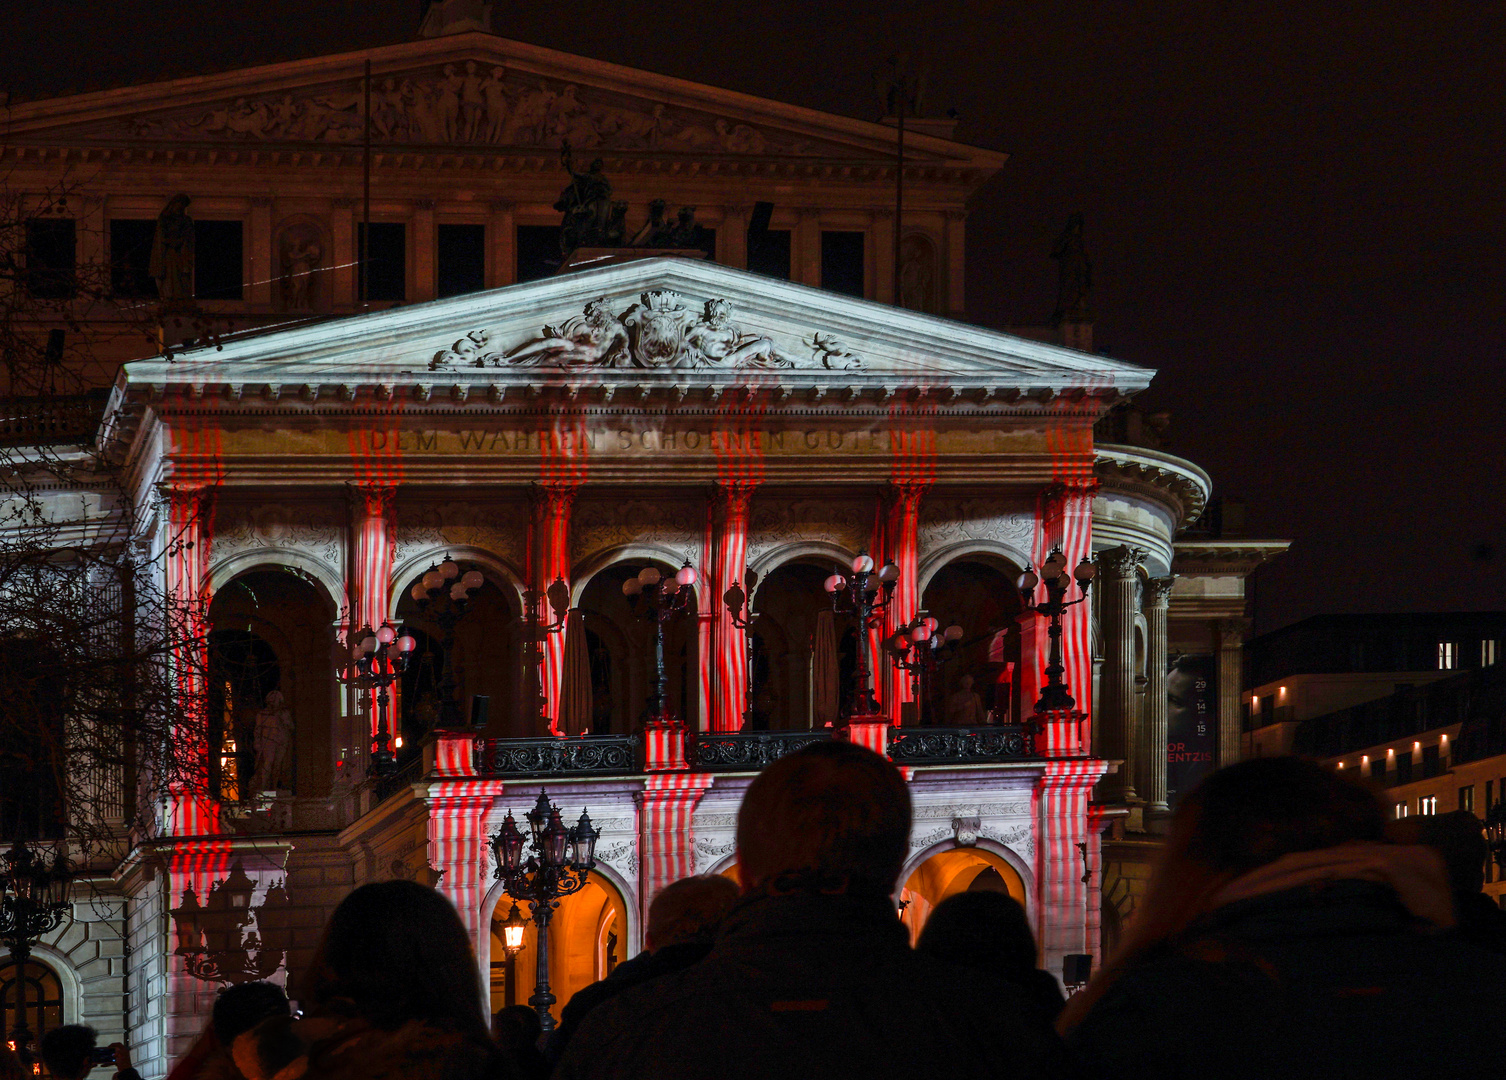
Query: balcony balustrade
{"points": [[591, 755], [960, 746]]}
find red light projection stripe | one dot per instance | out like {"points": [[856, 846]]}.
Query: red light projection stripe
{"points": [[737, 440], [667, 843], [1065, 518], [458, 845], [1061, 798]]}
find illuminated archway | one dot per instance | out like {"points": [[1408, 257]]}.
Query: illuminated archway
{"points": [[955, 870], [587, 938]]}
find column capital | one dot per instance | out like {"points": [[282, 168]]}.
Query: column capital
{"points": [[501, 206], [1231, 633], [1157, 593], [906, 492], [344, 202], [1121, 561], [553, 496], [370, 500], [732, 498], [261, 202]]}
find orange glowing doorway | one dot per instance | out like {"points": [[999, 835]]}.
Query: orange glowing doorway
{"points": [[955, 871]]}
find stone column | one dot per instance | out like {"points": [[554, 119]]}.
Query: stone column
{"points": [[732, 237], [459, 845], [265, 270], [1230, 637], [805, 254], [731, 501], [423, 245], [956, 263], [501, 243], [1116, 721], [187, 531], [883, 257], [345, 274], [368, 582], [1062, 903], [552, 505], [1151, 778], [903, 546]]}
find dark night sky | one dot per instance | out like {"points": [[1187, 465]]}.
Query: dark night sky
{"points": [[1294, 211]]}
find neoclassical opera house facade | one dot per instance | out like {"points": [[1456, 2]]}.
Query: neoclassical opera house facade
{"points": [[661, 413]]}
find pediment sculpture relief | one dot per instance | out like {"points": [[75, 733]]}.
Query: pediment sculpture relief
{"points": [[470, 103], [658, 332]]}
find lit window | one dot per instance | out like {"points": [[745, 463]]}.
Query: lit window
{"points": [[1487, 652], [1448, 656], [1401, 810]]}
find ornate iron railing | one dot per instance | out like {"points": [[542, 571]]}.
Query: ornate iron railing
{"points": [[960, 746], [410, 773], [48, 421], [591, 755], [746, 749]]}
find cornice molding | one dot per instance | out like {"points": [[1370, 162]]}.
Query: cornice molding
{"points": [[1177, 484]]}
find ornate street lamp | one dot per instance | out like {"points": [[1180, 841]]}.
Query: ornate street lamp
{"points": [[442, 594], [735, 597], [536, 631], [513, 928], [33, 903], [378, 660], [558, 863], [660, 600], [858, 594], [919, 651], [1056, 580]]}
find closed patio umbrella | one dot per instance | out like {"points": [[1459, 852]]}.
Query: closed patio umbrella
{"points": [[575, 680], [824, 670]]}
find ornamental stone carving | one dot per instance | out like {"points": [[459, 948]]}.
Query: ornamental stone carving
{"points": [[598, 525], [947, 522], [657, 333], [776, 523], [467, 103], [281, 526]]}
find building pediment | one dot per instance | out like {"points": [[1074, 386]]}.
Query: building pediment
{"points": [[672, 324], [469, 90]]}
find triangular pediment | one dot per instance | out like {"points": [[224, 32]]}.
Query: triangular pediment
{"points": [[661, 322], [473, 91]]}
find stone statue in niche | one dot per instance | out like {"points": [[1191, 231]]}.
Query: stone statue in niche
{"points": [[274, 746], [964, 707], [1074, 274], [301, 254], [917, 274], [173, 251]]}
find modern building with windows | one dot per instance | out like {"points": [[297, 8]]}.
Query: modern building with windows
{"points": [[774, 396]]}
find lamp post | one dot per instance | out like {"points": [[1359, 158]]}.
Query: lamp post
{"points": [[536, 632], [919, 651], [858, 594], [512, 944], [660, 600], [735, 598], [1056, 580], [558, 863], [442, 594], [33, 903], [378, 660]]}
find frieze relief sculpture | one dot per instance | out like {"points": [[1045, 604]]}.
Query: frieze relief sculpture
{"points": [[467, 104], [949, 521], [658, 332]]}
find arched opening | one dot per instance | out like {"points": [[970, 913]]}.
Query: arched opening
{"points": [[621, 647], [487, 661], [587, 939], [791, 672], [958, 870], [271, 629], [979, 594], [38, 986]]}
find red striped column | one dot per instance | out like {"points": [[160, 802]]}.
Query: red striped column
{"points": [[369, 575], [903, 535], [187, 544], [458, 845], [731, 502], [1062, 823], [553, 503], [666, 841], [1065, 521]]}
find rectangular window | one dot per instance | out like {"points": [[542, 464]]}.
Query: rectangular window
{"points": [[1404, 767], [538, 249], [461, 256], [1268, 709], [1448, 656], [51, 259], [1487, 652], [842, 262], [1489, 791], [131, 257], [1467, 798], [217, 264], [1401, 810], [769, 252], [1431, 765], [1378, 769], [1244, 716], [387, 271]]}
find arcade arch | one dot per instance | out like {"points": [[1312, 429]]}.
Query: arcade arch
{"points": [[271, 629], [978, 592], [954, 870]]}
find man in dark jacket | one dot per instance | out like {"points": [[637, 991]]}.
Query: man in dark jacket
{"points": [[812, 974], [682, 922]]}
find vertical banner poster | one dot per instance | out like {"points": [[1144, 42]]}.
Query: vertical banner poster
{"points": [[1191, 723]]}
